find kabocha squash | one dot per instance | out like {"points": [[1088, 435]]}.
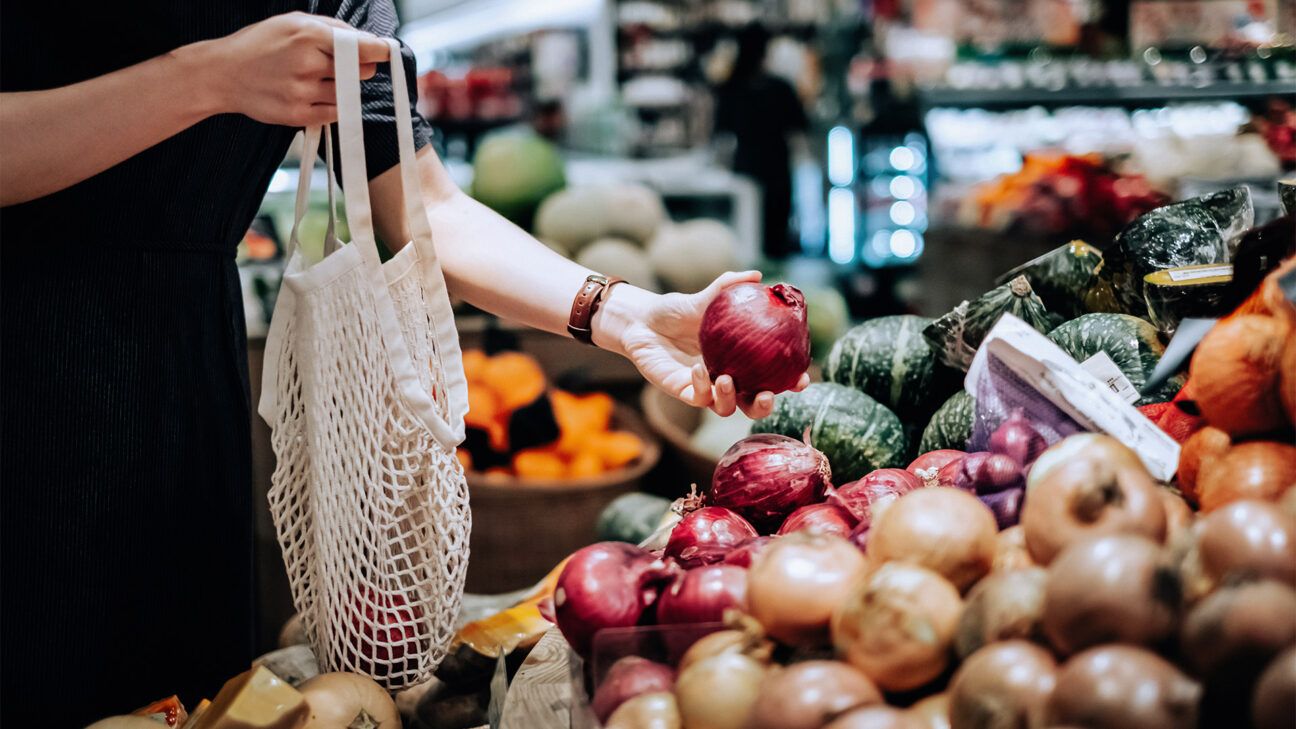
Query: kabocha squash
{"points": [[857, 433], [1061, 277], [1131, 342], [1177, 293], [888, 359], [956, 336], [951, 425]]}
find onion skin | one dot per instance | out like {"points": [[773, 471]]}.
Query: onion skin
{"points": [[823, 518], [1088, 485], [745, 553], [1006, 506], [700, 596], [758, 335], [945, 530], [1248, 539], [605, 585], [922, 465], [1179, 515], [808, 694], [898, 626], [866, 498], [1274, 701], [1122, 687], [1287, 379], [1017, 439], [1113, 589], [875, 717], [705, 535], [1235, 372], [948, 475], [995, 473], [1256, 470], [1232, 634], [719, 692], [765, 477], [1010, 550], [1003, 606], [796, 582], [1002, 686], [933, 711], [1208, 443], [627, 678], [647, 711]]}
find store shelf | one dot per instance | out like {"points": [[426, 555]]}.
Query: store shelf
{"points": [[1099, 95]]}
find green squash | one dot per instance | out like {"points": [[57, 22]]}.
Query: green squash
{"points": [[857, 433], [1061, 277], [888, 359], [956, 336], [1131, 342], [950, 425]]}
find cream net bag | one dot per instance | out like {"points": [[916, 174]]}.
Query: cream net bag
{"points": [[364, 391]]}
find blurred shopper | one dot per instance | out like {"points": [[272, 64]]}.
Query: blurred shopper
{"points": [[762, 112]]}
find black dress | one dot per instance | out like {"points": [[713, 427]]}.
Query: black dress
{"points": [[125, 494]]}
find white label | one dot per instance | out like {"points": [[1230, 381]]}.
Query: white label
{"points": [[1197, 273], [1101, 366], [1065, 383]]}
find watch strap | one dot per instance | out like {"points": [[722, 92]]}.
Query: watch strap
{"points": [[586, 303]]}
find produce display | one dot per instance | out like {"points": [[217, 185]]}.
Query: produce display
{"points": [[521, 428]]}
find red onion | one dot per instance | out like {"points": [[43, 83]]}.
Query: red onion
{"points": [[824, 518], [859, 537], [605, 585], [700, 596], [1018, 439], [985, 473], [766, 477], [1006, 505], [627, 678], [947, 476], [743, 554], [865, 498], [929, 464], [706, 535], [758, 335]]}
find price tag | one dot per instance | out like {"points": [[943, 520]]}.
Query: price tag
{"points": [[1101, 366]]}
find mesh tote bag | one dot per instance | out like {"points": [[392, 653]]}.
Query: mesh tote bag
{"points": [[364, 391]]}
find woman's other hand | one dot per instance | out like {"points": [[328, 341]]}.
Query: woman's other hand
{"points": [[659, 334], [280, 70]]}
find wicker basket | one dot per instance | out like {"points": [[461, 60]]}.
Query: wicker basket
{"points": [[521, 529]]}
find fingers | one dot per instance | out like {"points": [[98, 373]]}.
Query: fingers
{"points": [[802, 383], [373, 49], [758, 407], [729, 279], [367, 70], [701, 387], [726, 400]]}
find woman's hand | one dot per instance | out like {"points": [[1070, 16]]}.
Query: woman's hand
{"points": [[280, 70], [659, 334]]}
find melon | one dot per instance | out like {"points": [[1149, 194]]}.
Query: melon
{"points": [[573, 217], [619, 257], [634, 212], [691, 255], [513, 172]]}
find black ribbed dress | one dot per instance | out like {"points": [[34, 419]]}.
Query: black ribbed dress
{"points": [[125, 495]]}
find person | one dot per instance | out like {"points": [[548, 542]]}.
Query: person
{"points": [[762, 111], [137, 145]]}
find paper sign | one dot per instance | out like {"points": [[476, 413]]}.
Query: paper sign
{"points": [[1066, 384], [1101, 366], [1195, 273]]}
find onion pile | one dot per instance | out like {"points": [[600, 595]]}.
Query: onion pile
{"points": [[627, 678], [806, 695], [706, 535], [866, 498], [697, 597], [758, 335], [766, 477], [797, 582], [821, 518], [945, 530]]}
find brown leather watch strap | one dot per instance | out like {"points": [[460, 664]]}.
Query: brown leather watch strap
{"points": [[586, 303]]}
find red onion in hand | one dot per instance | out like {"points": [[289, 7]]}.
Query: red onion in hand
{"points": [[605, 585], [700, 596], [824, 518], [985, 473], [766, 477], [758, 335], [865, 498], [1018, 439], [743, 554], [704, 536]]}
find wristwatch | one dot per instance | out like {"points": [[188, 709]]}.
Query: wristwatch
{"points": [[587, 302]]}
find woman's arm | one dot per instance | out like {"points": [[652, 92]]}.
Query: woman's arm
{"points": [[498, 267], [277, 71]]}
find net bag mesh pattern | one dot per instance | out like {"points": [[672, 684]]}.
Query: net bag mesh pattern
{"points": [[999, 393]]}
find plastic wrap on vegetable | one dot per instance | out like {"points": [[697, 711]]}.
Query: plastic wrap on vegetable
{"points": [[1061, 277], [956, 336], [1177, 293], [1194, 232], [1132, 343], [1287, 193]]}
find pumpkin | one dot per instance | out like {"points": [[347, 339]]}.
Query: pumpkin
{"points": [[348, 701], [1235, 374], [515, 377]]}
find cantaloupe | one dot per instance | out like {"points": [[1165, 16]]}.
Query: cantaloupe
{"points": [[689, 256], [635, 212], [513, 172], [619, 257], [573, 217]]}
